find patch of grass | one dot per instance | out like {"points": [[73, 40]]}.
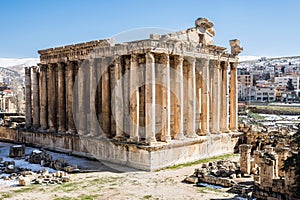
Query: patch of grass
{"points": [[205, 190], [63, 198], [4, 196], [147, 197], [256, 116], [202, 190], [199, 161], [68, 187], [24, 189], [87, 197]]}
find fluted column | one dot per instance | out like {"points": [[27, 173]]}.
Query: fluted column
{"points": [[36, 97], [178, 113], [166, 108], [150, 98], [70, 82], [233, 97], [83, 102], [43, 98], [134, 100], [224, 98], [191, 96], [28, 97], [215, 97], [61, 98], [52, 101], [118, 100], [106, 109], [205, 97], [93, 88], [126, 96]]}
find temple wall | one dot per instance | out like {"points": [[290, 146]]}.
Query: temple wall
{"points": [[136, 156]]}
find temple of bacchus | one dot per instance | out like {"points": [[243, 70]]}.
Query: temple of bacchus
{"points": [[147, 104]]}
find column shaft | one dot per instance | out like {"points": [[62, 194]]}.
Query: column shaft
{"points": [[166, 112], [93, 89], [178, 113], [61, 98], [224, 98], [82, 98], [43, 97], [70, 82], [126, 96], [36, 98], [118, 100], [233, 97], [205, 97], [215, 97], [106, 109], [191, 95], [52, 101], [150, 98], [134, 100], [28, 97]]}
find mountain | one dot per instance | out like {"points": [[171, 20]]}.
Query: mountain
{"points": [[20, 62]]}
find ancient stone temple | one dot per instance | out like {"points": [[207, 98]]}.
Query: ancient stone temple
{"points": [[147, 104]]}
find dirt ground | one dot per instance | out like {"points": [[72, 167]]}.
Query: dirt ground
{"points": [[164, 184]]}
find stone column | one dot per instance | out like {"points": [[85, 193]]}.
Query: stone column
{"points": [[191, 96], [93, 89], [205, 96], [134, 100], [283, 153], [215, 97], [245, 157], [224, 98], [166, 112], [28, 97], [118, 100], [106, 109], [233, 97], [178, 113], [126, 96], [61, 98], [70, 82], [36, 97], [43, 97], [83, 103], [150, 98], [52, 101]]}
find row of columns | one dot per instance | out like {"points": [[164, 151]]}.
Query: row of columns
{"points": [[129, 110]]}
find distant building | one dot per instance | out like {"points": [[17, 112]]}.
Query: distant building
{"points": [[282, 81], [265, 92]]}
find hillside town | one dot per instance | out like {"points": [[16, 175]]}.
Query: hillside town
{"points": [[269, 80]]}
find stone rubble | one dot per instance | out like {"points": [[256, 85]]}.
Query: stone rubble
{"points": [[26, 177]]}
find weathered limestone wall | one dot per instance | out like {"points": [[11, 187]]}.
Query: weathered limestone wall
{"points": [[136, 156]]}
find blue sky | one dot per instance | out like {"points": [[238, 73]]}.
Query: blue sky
{"points": [[265, 27]]}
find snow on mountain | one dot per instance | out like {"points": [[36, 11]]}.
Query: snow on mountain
{"points": [[248, 58], [10, 62]]}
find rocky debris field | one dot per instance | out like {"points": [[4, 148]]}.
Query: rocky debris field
{"points": [[225, 173]]}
